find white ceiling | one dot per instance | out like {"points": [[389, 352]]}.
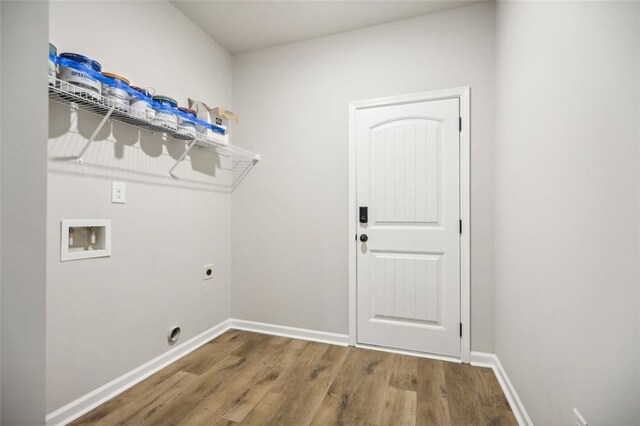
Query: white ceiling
{"points": [[240, 26]]}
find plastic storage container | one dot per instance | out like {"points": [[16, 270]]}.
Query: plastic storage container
{"points": [[186, 120], [80, 71], [53, 67], [140, 103], [166, 111], [114, 87]]}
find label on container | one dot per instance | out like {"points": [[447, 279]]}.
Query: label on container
{"points": [[114, 92], [80, 78]]}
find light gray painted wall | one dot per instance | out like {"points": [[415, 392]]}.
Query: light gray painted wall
{"points": [[108, 316], [23, 47], [289, 217], [1, 217], [567, 208]]}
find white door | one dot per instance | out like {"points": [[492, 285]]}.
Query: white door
{"points": [[408, 270]]}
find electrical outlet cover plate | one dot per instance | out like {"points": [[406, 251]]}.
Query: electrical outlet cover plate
{"points": [[118, 192], [208, 272], [578, 420]]}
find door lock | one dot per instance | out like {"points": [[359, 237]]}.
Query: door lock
{"points": [[364, 214], [364, 238]]}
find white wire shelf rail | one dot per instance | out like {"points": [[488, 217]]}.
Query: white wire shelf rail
{"points": [[239, 161]]}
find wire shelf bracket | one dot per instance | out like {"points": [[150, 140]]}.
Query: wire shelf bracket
{"points": [[182, 157], [94, 134]]}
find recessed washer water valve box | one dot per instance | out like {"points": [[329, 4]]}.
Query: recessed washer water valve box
{"points": [[84, 239]]}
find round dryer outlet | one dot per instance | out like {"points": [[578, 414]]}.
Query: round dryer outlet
{"points": [[174, 334], [208, 272]]}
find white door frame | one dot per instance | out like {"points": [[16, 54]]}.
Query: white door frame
{"points": [[462, 93]]}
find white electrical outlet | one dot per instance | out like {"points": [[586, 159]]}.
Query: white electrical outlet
{"points": [[118, 192], [578, 420], [208, 272]]}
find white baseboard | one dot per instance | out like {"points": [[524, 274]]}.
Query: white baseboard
{"points": [[292, 332], [482, 359], [88, 402]]}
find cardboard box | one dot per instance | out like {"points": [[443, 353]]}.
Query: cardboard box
{"points": [[223, 116], [217, 116]]}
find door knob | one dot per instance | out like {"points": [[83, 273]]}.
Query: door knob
{"points": [[364, 238]]}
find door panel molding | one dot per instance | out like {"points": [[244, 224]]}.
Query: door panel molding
{"points": [[463, 94], [377, 126]]}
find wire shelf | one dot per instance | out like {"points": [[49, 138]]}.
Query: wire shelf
{"points": [[238, 162]]}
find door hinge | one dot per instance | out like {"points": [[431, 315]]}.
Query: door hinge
{"points": [[460, 329], [460, 124], [356, 237], [460, 222]]}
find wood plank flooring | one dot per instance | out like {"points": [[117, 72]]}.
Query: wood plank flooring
{"points": [[256, 379]]}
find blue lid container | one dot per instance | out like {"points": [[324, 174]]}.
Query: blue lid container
{"points": [[165, 101], [142, 90], [187, 111], [81, 59]]}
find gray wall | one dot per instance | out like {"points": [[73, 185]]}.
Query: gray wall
{"points": [[289, 217], [108, 316], [567, 208], [24, 185], [1, 103]]}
